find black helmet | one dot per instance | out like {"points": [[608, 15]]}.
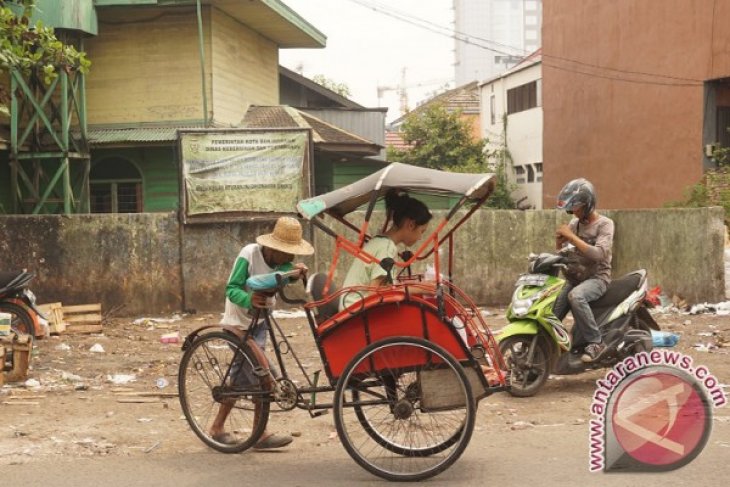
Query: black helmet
{"points": [[578, 192]]}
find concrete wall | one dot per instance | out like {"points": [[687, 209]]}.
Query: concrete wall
{"points": [[608, 122], [125, 259], [139, 261], [681, 248]]}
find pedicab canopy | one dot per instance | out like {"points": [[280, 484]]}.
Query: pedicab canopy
{"points": [[342, 201]]}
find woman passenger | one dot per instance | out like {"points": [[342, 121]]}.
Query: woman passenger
{"points": [[410, 219]]}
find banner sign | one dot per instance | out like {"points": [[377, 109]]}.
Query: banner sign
{"points": [[243, 171]]}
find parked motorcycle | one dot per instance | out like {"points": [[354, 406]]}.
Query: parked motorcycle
{"points": [[535, 343], [19, 302]]}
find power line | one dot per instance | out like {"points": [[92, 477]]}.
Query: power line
{"points": [[451, 33], [598, 66], [618, 78], [462, 37], [385, 7]]}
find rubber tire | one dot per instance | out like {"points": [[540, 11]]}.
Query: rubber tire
{"points": [[340, 394], [537, 384], [24, 319], [259, 428]]}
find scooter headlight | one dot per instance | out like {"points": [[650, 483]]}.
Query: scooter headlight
{"points": [[521, 306]]}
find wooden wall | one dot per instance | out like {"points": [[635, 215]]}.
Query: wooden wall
{"points": [[147, 69], [245, 69]]}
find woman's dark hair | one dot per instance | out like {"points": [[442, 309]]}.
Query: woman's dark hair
{"points": [[401, 206]]}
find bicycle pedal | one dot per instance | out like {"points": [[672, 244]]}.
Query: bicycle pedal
{"points": [[316, 414]]}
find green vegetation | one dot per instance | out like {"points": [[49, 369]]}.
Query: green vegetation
{"points": [[32, 49], [443, 140], [340, 88]]}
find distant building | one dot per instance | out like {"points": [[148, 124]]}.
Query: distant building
{"points": [[511, 113], [464, 99], [634, 95], [510, 28]]}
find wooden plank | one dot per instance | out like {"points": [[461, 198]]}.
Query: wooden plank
{"points": [[82, 329], [148, 394], [80, 308], [138, 400], [48, 307], [58, 328], [84, 318]]}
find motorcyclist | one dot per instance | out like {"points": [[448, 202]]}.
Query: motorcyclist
{"points": [[588, 271]]}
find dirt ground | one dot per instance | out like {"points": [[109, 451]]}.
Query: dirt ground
{"points": [[77, 401]]}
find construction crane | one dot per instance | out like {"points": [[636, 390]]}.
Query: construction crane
{"points": [[400, 89]]}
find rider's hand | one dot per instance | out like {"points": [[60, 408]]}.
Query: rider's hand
{"points": [[259, 300], [565, 233]]}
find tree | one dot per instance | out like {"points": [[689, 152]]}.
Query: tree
{"points": [[439, 140], [32, 48], [340, 88], [443, 140]]}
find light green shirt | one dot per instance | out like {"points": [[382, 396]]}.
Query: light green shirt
{"points": [[362, 274]]}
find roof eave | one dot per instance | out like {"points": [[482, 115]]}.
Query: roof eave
{"points": [[291, 32]]}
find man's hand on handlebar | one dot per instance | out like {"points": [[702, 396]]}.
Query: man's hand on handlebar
{"points": [[303, 270], [261, 299]]}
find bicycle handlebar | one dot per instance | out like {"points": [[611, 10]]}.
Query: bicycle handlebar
{"points": [[281, 284]]}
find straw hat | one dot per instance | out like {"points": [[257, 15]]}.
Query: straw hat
{"points": [[286, 237]]}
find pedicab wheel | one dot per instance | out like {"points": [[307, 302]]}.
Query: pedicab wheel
{"points": [[392, 420], [217, 371], [370, 425], [20, 320], [525, 381]]}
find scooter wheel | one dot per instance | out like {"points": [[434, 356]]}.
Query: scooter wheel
{"points": [[20, 321], [525, 380]]}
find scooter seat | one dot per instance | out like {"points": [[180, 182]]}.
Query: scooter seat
{"points": [[8, 277], [619, 290]]}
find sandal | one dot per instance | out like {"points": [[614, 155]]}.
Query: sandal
{"points": [[225, 438], [273, 442]]}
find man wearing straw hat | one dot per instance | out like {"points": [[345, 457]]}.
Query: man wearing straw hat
{"points": [[271, 253]]}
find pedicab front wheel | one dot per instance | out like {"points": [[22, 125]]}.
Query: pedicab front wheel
{"points": [[404, 409], [218, 373]]}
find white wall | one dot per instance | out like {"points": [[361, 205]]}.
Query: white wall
{"points": [[523, 135]]}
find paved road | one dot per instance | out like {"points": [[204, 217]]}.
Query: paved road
{"points": [[540, 456]]}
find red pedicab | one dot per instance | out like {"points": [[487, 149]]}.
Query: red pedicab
{"points": [[405, 362]]}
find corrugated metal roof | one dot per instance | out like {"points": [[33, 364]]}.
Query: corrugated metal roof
{"points": [[104, 136]]}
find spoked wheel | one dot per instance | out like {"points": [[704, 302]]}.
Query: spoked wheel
{"points": [[219, 374], [525, 380], [371, 425], [20, 320], [404, 409]]}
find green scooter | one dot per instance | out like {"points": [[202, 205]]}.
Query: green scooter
{"points": [[536, 344]]}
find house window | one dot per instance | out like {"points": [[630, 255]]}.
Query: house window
{"points": [[522, 97], [530, 174], [538, 171], [115, 187], [519, 174], [492, 110]]}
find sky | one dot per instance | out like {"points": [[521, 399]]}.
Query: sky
{"points": [[366, 49]]}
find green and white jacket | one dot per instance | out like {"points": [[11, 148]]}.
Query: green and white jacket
{"points": [[250, 262]]}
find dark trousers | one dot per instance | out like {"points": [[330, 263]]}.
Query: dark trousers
{"points": [[577, 298]]}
